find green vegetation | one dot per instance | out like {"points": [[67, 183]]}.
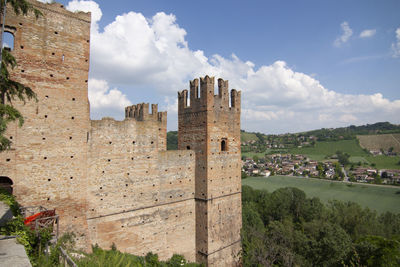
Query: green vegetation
{"points": [[379, 198], [245, 136], [350, 147], [172, 140], [352, 131], [252, 154], [384, 162], [15, 227], [285, 228], [115, 258], [32, 241]]}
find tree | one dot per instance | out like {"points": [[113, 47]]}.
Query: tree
{"points": [[255, 158], [343, 158], [378, 251], [11, 90]]}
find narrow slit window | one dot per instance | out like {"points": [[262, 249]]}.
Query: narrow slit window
{"points": [[224, 145]]}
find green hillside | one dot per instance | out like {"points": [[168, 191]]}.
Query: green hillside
{"points": [[323, 149], [245, 136]]}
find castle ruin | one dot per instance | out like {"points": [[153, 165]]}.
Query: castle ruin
{"points": [[114, 181]]}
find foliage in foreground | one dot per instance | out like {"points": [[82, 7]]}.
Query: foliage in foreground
{"points": [[15, 227], [115, 258], [285, 228], [99, 257]]}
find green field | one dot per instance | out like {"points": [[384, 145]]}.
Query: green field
{"points": [[351, 147], [252, 154], [329, 148], [379, 198]]}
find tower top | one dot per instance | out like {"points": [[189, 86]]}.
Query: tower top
{"points": [[204, 99]]}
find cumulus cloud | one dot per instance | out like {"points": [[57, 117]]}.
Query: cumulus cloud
{"points": [[87, 6], [104, 100], [153, 53], [347, 33], [367, 33], [396, 45]]}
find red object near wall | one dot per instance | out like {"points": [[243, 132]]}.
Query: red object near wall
{"points": [[31, 220]]}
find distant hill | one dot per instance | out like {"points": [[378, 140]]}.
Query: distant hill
{"points": [[352, 131], [245, 137], [333, 134]]}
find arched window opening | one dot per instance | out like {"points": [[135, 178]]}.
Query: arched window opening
{"points": [[8, 40], [188, 147], [6, 184], [224, 145]]}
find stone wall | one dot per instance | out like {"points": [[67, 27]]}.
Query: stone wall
{"points": [[140, 196], [210, 126], [47, 162], [113, 181]]}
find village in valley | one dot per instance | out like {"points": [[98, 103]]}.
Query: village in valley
{"points": [[300, 165], [268, 155]]}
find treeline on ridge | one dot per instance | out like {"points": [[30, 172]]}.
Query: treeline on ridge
{"points": [[285, 228], [342, 133]]}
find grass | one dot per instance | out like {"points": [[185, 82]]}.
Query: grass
{"points": [[384, 162], [379, 198], [329, 148], [356, 159], [252, 154]]}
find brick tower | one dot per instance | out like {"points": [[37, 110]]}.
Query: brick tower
{"points": [[211, 127], [47, 159]]}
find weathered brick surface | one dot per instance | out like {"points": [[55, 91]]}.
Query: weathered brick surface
{"points": [[140, 196], [113, 181], [211, 127], [47, 162]]}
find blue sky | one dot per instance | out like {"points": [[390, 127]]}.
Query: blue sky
{"points": [[301, 65]]}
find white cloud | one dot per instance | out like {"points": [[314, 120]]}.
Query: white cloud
{"points": [[104, 100], [153, 53], [367, 33], [347, 33], [396, 45], [87, 6]]}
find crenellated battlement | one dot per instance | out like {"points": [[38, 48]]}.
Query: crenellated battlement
{"points": [[203, 98], [140, 112]]}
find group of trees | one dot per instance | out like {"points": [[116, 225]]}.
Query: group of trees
{"points": [[285, 228]]}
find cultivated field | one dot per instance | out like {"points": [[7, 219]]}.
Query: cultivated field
{"points": [[381, 141], [379, 198]]}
